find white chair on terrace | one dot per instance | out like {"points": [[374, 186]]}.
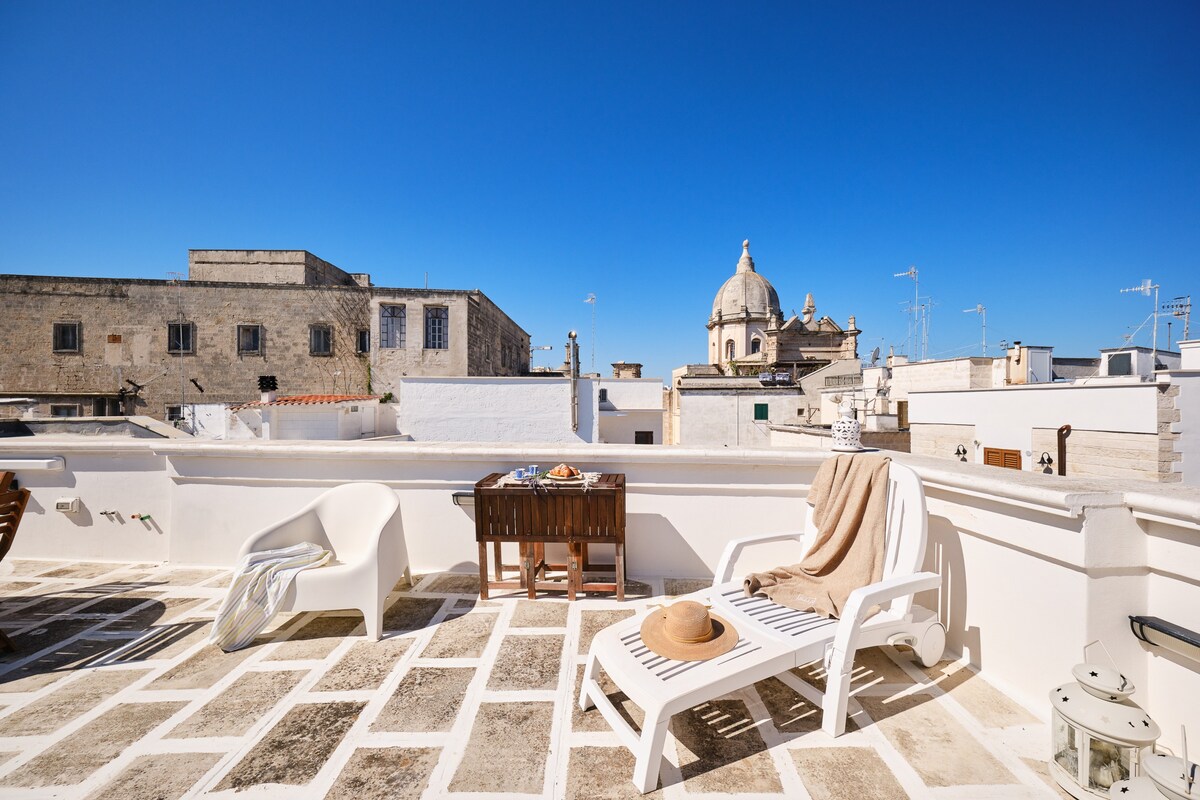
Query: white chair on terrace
{"points": [[360, 524], [773, 638]]}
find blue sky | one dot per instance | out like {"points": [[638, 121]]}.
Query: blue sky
{"points": [[1035, 158]]}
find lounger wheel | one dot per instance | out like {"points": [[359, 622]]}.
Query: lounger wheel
{"points": [[931, 645]]}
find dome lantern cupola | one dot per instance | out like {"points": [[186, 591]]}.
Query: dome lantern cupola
{"points": [[746, 294]]}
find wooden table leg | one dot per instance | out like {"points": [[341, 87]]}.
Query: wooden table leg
{"points": [[483, 576], [531, 569], [620, 570], [499, 562], [574, 566]]}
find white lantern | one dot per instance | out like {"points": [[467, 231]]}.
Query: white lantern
{"points": [[1166, 778], [1097, 732]]}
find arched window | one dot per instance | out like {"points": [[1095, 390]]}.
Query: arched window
{"points": [[755, 345], [729, 350]]}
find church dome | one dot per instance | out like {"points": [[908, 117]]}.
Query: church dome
{"points": [[746, 292]]}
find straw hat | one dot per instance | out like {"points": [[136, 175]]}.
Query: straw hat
{"points": [[686, 631]]}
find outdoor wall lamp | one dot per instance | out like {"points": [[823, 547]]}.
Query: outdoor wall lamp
{"points": [[1044, 462], [961, 452]]}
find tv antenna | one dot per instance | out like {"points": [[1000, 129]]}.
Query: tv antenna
{"points": [[1145, 289], [981, 310], [915, 307], [1180, 307], [591, 299], [875, 356]]}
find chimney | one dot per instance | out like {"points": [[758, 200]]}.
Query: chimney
{"points": [[622, 369], [267, 385]]}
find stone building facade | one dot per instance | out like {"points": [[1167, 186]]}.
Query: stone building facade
{"points": [[113, 346]]}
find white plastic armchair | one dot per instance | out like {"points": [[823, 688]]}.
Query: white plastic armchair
{"points": [[360, 524]]}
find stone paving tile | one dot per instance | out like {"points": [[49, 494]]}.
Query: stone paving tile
{"points": [[846, 773], [592, 720], [492, 764], [28, 566], [165, 641], [527, 662], [427, 699], [633, 589], [592, 622], [467, 604], [166, 776], [5, 755], [872, 666], [17, 587], [385, 773], [236, 710], [77, 756], [721, 750], [603, 773], [453, 583], [316, 639], [939, 748], [56, 709], [463, 636], [540, 614], [81, 570], [674, 587], [410, 613], [202, 670], [985, 703], [791, 713], [188, 576], [315, 730], [364, 666], [55, 663], [159, 612]]}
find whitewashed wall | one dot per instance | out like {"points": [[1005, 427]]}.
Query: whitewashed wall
{"points": [[1006, 418], [717, 419], [495, 410]]}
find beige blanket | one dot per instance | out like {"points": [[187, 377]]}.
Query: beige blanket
{"points": [[849, 499]]}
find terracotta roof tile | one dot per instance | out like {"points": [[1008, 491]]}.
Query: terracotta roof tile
{"points": [[310, 400]]}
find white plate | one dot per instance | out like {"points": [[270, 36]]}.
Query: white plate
{"points": [[556, 479]]}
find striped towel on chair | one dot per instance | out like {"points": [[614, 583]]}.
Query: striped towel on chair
{"points": [[259, 584]]}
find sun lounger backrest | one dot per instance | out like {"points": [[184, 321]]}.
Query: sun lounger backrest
{"points": [[906, 530]]}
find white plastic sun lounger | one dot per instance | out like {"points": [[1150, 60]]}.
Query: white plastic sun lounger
{"points": [[773, 638]]}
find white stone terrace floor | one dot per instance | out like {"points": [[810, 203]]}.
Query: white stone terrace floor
{"points": [[115, 694]]}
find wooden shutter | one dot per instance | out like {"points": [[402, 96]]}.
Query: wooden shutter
{"points": [[995, 457]]}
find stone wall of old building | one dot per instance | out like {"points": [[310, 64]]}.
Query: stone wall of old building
{"points": [[496, 344], [123, 326], [266, 266]]}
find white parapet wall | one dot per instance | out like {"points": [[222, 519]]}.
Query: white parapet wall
{"points": [[1034, 567]]}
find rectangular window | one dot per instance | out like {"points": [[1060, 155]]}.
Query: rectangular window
{"points": [[1120, 364], [179, 337], [64, 410], [249, 339], [437, 328], [174, 413], [320, 340], [604, 395], [643, 437], [66, 337], [760, 412], [99, 407], [364, 341], [391, 327], [995, 457]]}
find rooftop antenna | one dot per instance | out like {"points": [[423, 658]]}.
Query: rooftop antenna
{"points": [[177, 279], [912, 273], [1145, 289], [1180, 307], [981, 310], [591, 298], [875, 356]]}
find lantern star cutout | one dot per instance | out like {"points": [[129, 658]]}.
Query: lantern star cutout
{"points": [[1124, 789], [1094, 674], [1065, 699]]}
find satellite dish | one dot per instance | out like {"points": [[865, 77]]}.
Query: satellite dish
{"points": [[875, 356]]}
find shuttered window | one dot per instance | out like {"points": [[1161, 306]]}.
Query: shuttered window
{"points": [[995, 457]]}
